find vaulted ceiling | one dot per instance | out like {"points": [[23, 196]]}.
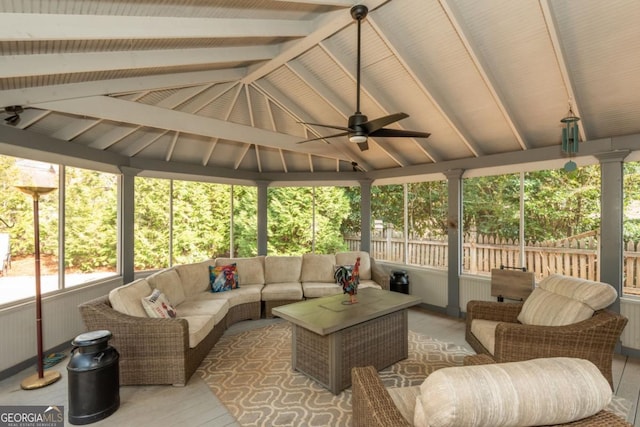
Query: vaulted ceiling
{"points": [[221, 87]]}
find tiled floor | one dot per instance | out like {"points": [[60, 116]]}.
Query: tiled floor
{"points": [[195, 405]]}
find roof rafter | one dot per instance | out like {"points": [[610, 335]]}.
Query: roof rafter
{"points": [[483, 70], [64, 63], [46, 26]]}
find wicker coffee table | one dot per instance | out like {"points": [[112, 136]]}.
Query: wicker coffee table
{"points": [[329, 338]]}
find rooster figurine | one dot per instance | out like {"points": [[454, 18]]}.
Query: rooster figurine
{"points": [[349, 279]]}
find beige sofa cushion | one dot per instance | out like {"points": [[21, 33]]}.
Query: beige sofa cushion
{"points": [[320, 289], [349, 258], [250, 270], [194, 277], [282, 291], [318, 268], [562, 300], [169, 283], [127, 299], [282, 269], [197, 306], [199, 327], [245, 294], [532, 392]]}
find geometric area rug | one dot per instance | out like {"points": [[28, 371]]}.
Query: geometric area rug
{"points": [[250, 372]]}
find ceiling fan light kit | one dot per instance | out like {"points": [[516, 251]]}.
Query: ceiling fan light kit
{"points": [[359, 127]]}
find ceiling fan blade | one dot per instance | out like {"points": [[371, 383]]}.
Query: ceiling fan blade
{"points": [[346, 129], [397, 133], [363, 146], [323, 137], [375, 124]]}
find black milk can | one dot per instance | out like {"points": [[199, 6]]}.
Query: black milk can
{"points": [[94, 382], [399, 281]]}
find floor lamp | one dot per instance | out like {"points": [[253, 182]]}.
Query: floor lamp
{"points": [[41, 378]]}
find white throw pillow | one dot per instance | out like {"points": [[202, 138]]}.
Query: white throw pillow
{"points": [[529, 393], [157, 305]]}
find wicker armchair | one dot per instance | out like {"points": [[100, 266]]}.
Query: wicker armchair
{"points": [[372, 406], [593, 339]]}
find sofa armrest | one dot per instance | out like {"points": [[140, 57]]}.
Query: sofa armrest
{"points": [[593, 339], [137, 336], [372, 405], [379, 276]]}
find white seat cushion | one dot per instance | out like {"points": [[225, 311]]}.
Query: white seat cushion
{"points": [[528, 393], [199, 327], [245, 294]]}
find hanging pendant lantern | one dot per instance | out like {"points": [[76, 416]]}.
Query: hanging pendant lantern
{"points": [[570, 138]]}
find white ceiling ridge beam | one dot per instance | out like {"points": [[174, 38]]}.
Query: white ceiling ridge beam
{"points": [[48, 26], [392, 154], [552, 29], [34, 95], [482, 69], [325, 26], [284, 103], [87, 62], [109, 108]]}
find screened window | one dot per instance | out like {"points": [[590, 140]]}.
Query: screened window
{"points": [[631, 268], [427, 206], [387, 219], [152, 221]]}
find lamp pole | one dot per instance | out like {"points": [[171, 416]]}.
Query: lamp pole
{"points": [[40, 379]]}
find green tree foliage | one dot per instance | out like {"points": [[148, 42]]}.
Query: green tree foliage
{"points": [[151, 229], [427, 206], [91, 231], [290, 219]]}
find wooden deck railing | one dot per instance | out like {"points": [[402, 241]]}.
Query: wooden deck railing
{"points": [[576, 256]]}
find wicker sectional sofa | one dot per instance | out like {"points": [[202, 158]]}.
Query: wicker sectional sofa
{"points": [[168, 350]]}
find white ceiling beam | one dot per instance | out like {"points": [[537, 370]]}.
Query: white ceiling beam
{"points": [[86, 62], [483, 70], [41, 26], [34, 95], [552, 27], [107, 139], [161, 118], [325, 26], [172, 147]]}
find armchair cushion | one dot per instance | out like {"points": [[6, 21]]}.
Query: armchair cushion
{"points": [[485, 332], [561, 300], [533, 392]]}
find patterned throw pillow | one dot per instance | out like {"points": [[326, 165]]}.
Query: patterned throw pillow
{"points": [[223, 277], [157, 305]]}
